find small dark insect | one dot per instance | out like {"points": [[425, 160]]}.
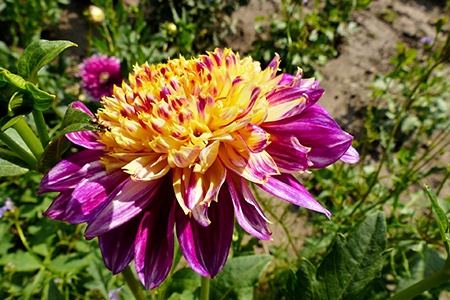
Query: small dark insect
{"points": [[100, 125]]}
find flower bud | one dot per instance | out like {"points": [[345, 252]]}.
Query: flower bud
{"points": [[96, 14]]}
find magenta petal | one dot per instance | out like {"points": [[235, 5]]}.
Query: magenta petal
{"points": [[314, 128], [274, 62], [86, 139], [155, 242], [90, 193], [206, 248], [286, 187], [68, 172], [289, 155], [351, 156], [57, 210], [80, 106], [117, 245], [248, 212], [125, 202]]}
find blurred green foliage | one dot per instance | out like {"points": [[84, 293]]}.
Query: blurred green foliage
{"points": [[403, 141]]}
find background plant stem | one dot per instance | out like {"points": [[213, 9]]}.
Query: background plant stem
{"points": [[41, 127], [29, 137], [22, 153], [133, 284], [204, 290]]}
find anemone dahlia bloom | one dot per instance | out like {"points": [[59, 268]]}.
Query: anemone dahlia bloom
{"points": [[99, 73], [183, 140]]}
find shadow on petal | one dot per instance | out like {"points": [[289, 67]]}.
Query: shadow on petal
{"points": [[117, 245]]}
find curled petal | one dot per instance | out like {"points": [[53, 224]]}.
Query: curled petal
{"points": [[286, 187], [204, 188], [287, 104], [314, 128], [148, 167], [207, 157], [206, 248], [117, 245], [351, 156], [248, 212], [68, 172], [155, 242], [254, 138], [255, 167], [125, 202], [275, 62], [289, 155]]}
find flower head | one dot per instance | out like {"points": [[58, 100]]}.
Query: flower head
{"points": [[99, 74], [9, 205], [427, 40], [96, 14], [184, 139]]}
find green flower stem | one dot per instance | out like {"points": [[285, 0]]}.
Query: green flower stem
{"points": [[41, 127], [22, 236], [22, 153], [133, 284], [204, 290], [29, 137], [424, 285]]}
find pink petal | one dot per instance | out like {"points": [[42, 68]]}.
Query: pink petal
{"points": [[154, 245], [351, 156], [286, 187], [206, 248], [248, 212]]}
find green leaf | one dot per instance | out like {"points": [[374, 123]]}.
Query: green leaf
{"points": [[441, 218], [21, 261], [13, 83], [300, 285], [184, 284], [70, 263], [38, 54], [100, 281], [239, 277], [7, 122], [11, 165], [354, 262], [421, 265], [52, 154], [74, 120], [53, 291]]}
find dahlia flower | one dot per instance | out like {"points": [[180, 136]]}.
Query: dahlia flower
{"points": [[99, 73], [182, 142]]}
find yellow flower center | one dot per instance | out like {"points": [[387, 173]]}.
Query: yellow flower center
{"points": [[184, 114]]}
